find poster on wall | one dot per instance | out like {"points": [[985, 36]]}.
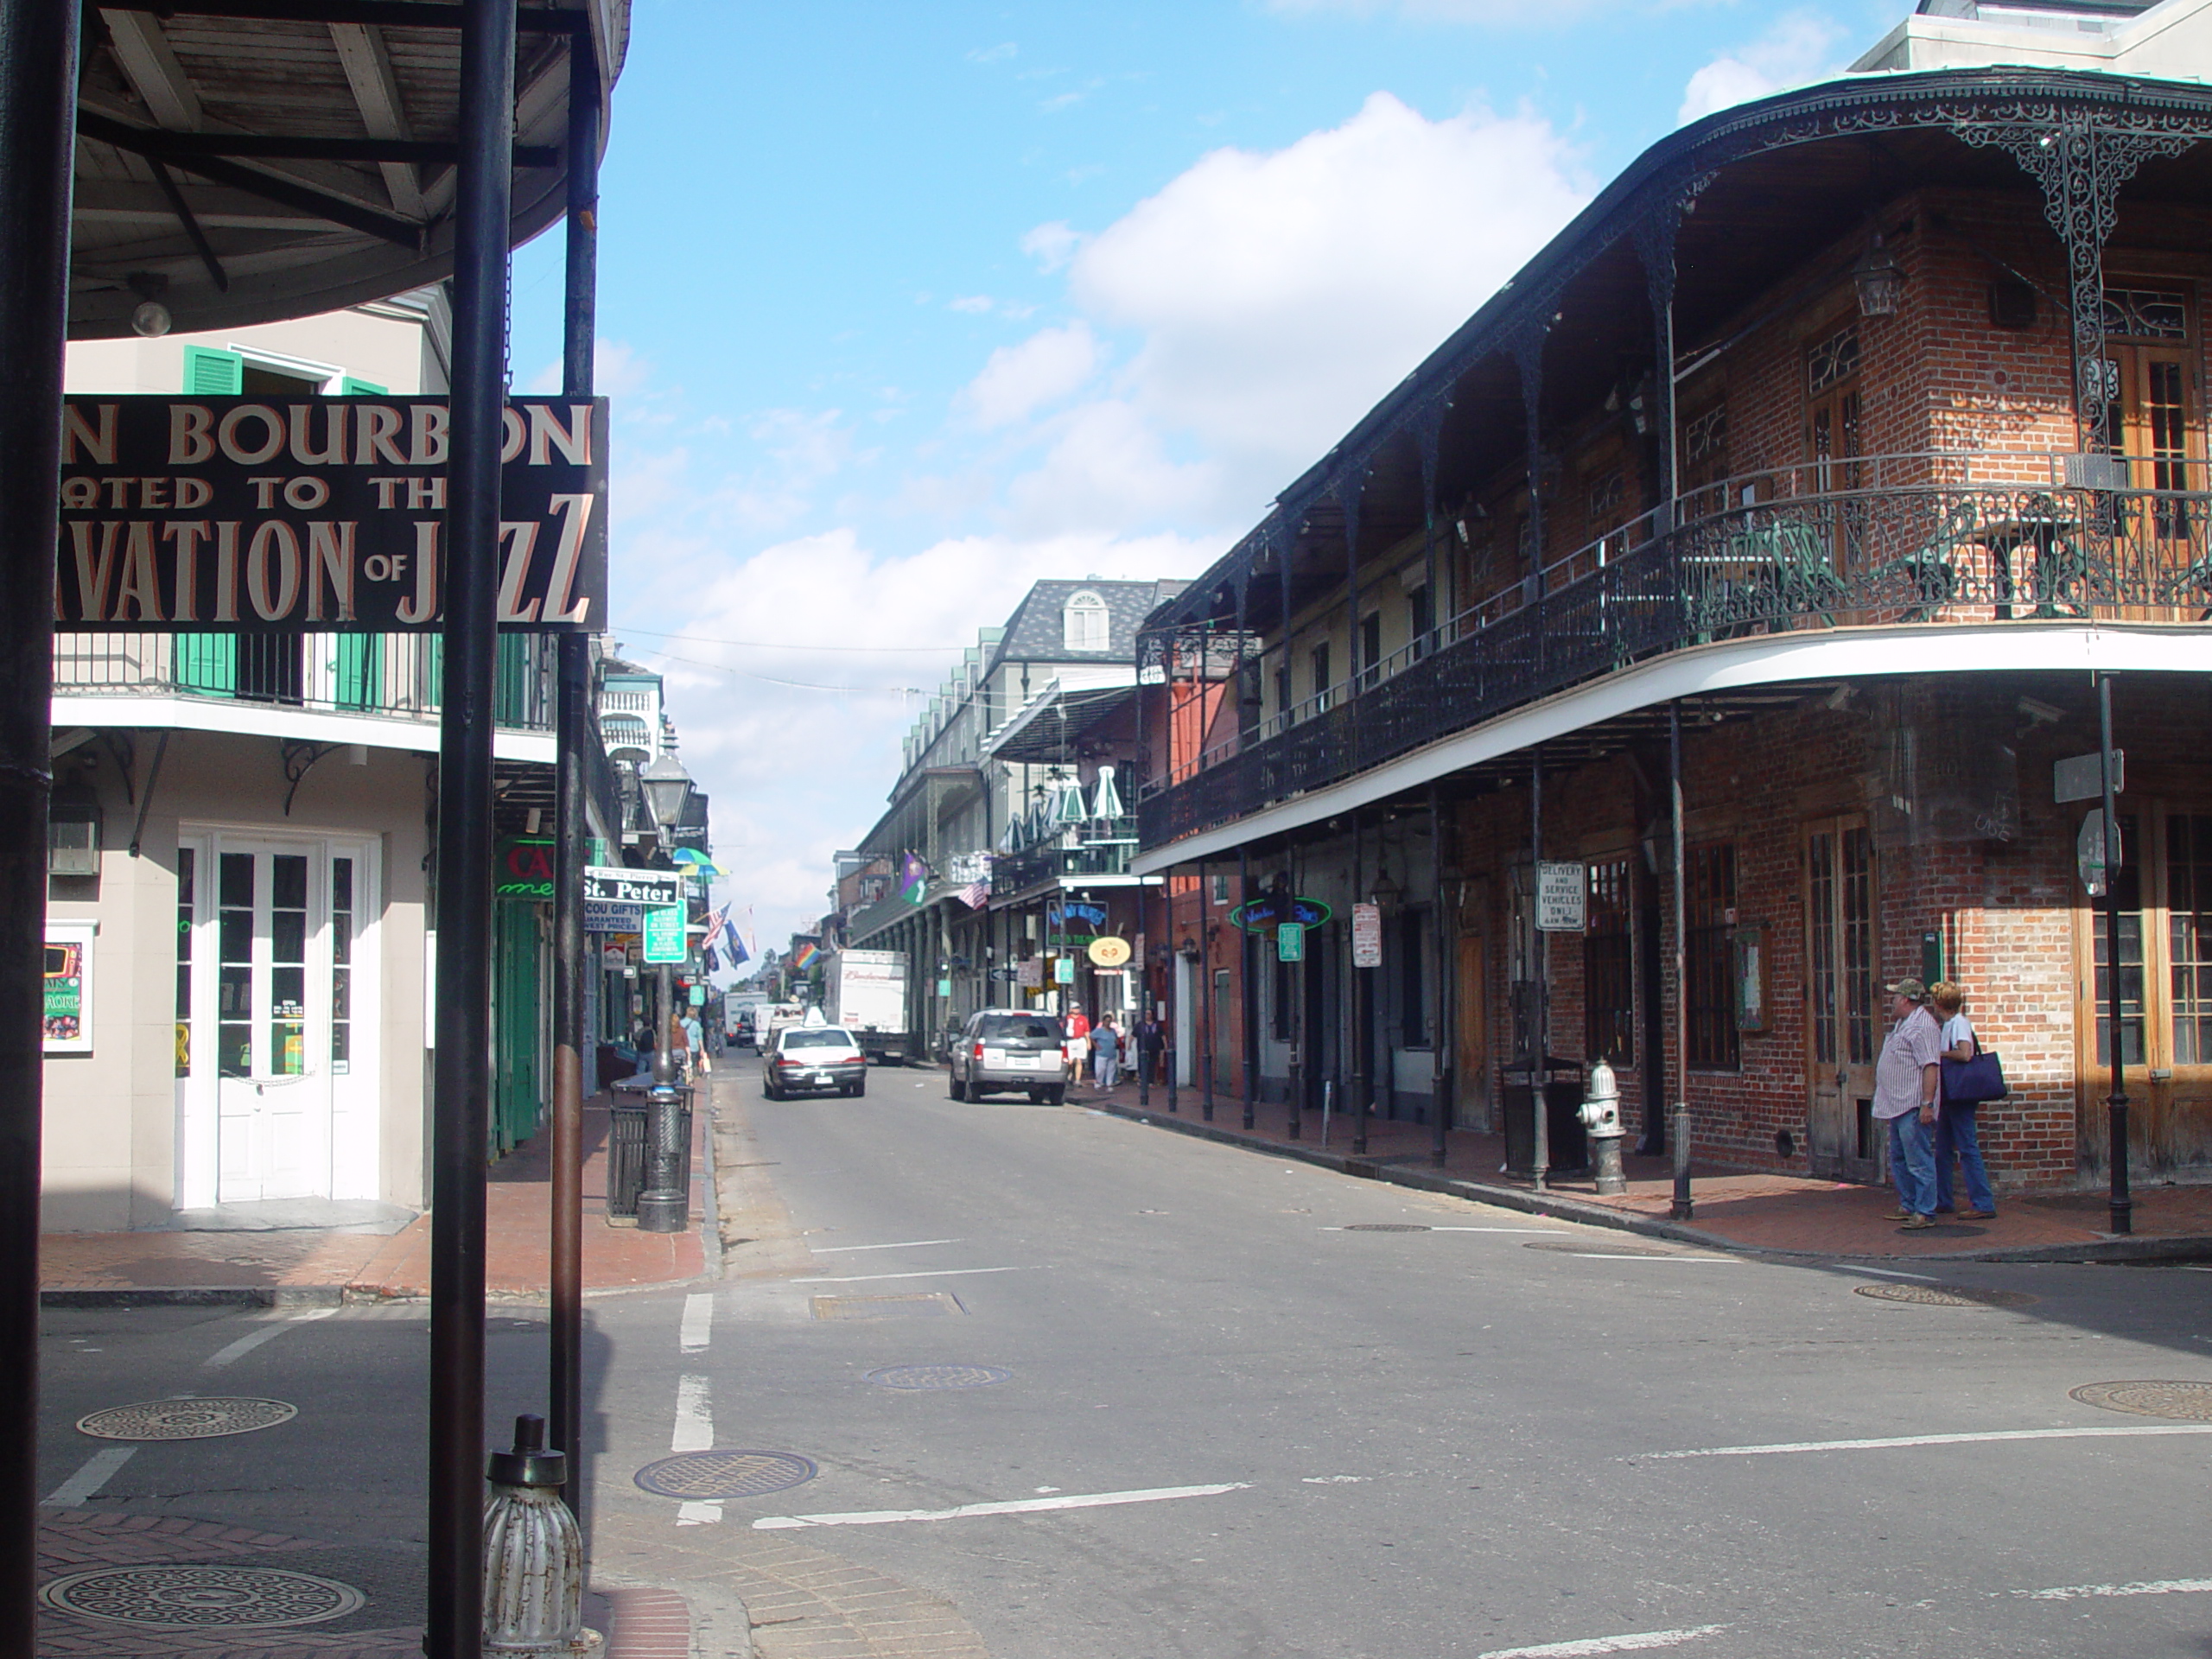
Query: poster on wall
{"points": [[69, 987]]}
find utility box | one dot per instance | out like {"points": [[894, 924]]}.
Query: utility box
{"points": [[1569, 1142]]}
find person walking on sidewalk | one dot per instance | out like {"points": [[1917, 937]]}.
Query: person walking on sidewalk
{"points": [[1906, 1079], [695, 1040], [1149, 1041], [1106, 1053], [1078, 1040], [1957, 1132]]}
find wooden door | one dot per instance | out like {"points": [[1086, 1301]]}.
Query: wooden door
{"points": [[1842, 1018], [1470, 1095]]}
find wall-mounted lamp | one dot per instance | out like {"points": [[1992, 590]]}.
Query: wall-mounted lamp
{"points": [[1880, 279]]}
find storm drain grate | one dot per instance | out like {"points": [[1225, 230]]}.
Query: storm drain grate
{"points": [[1946, 1296], [1387, 1227], [725, 1474], [909, 1304], [200, 1598], [185, 1420], [2190, 1402], [921, 1377]]}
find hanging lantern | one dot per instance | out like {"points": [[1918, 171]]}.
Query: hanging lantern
{"points": [[1880, 279]]}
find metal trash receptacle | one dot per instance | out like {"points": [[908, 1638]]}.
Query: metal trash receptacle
{"points": [[628, 1144], [1569, 1142]]}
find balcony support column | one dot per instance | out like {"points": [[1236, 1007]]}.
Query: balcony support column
{"points": [[1249, 1029], [1539, 1066], [1440, 1037], [1654, 247], [1527, 347], [1301, 1066], [1429, 431], [1681, 1207], [1362, 1011], [1348, 493]]}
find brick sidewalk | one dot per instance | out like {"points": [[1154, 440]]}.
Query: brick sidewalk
{"points": [[307, 1264], [1764, 1212]]}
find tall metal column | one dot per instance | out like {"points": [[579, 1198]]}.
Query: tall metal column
{"points": [[1362, 1003], [38, 112], [1205, 997], [1175, 1050], [1441, 1041], [572, 727], [462, 1085], [1247, 994], [1539, 1016], [1301, 1064], [1680, 1209], [2122, 1201]]}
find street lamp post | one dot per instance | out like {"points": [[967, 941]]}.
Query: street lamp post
{"points": [[664, 1206]]}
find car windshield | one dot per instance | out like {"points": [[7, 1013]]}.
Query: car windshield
{"points": [[1003, 1027], [817, 1040]]}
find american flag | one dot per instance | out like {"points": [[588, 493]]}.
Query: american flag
{"points": [[975, 894]]}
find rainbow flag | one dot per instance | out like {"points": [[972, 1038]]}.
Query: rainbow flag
{"points": [[804, 952]]}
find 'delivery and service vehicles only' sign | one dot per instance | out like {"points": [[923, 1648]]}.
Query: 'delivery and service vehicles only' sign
{"points": [[190, 514]]}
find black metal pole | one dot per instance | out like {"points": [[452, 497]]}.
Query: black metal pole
{"points": [[2122, 1201], [1175, 958], [1441, 1041], [462, 1078], [1247, 994], [1363, 1004], [1681, 1206], [572, 729], [1539, 1070], [665, 1206], [1206, 994], [38, 103], [1299, 1068]]}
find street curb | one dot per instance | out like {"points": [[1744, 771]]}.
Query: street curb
{"points": [[2181, 1247], [197, 1296]]}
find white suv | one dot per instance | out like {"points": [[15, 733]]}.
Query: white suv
{"points": [[813, 1061]]}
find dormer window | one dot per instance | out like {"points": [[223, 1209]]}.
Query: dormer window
{"points": [[1084, 624]]}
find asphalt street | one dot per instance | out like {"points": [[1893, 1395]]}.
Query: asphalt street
{"points": [[1247, 1409]]}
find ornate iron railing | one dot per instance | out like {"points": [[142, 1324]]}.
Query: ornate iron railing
{"points": [[1103, 849], [1903, 554]]}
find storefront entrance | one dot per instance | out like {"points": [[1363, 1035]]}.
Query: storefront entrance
{"points": [[1842, 1028]]}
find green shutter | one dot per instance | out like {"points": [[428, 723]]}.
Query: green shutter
{"points": [[360, 670], [349, 387], [513, 680], [434, 669], [207, 663], [211, 374]]}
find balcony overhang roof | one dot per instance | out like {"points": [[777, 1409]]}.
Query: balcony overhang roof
{"points": [[1050, 726], [247, 160], [1735, 678], [1731, 204]]}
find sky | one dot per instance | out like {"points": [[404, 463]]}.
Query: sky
{"points": [[906, 304]]}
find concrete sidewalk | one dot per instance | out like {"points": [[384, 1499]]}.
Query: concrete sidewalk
{"points": [[1785, 1214], [309, 1264]]}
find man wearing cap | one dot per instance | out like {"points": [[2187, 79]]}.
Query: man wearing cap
{"points": [[1906, 1081]]}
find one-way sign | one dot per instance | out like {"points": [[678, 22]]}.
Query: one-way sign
{"points": [[614, 885]]}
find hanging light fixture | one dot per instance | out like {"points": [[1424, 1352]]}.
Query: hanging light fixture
{"points": [[1879, 280]]}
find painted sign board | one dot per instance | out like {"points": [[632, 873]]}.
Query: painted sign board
{"points": [[1109, 952], [68, 988], [665, 940], [1265, 915], [1063, 971], [1290, 942], [1367, 936], [219, 514], [521, 867], [613, 884], [1030, 975], [1560, 889], [2089, 852], [603, 917]]}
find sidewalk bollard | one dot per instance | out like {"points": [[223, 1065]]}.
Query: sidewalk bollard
{"points": [[533, 1555]]}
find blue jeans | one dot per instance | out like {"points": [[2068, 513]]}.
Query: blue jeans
{"points": [[1912, 1164], [1955, 1133]]}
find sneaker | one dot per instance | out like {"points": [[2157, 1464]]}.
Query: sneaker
{"points": [[1916, 1223], [1898, 1214], [1978, 1215]]}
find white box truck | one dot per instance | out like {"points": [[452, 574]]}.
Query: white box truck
{"points": [[865, 991]]}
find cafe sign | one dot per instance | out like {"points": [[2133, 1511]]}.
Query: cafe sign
{"points": [[184, 515], [1267, 915]]}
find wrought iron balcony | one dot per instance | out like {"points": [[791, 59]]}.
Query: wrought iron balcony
{"points": [[1898, 547], [390, 674], [1103, 847]]}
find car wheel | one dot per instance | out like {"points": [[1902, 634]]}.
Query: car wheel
{"points": [[1057, 1095], [859, 1088], [956, 1089], [770, 1090]]}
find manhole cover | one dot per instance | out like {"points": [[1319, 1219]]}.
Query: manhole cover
{"points": [[185, 1420], [725, 1474], [939, 1376], [1946, 1296], [1387, 1227], [200, 1598], [2191, 1403], [911, 1305], [1594, 1247]]}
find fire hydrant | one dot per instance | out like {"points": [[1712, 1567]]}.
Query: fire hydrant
{"points": [[533, 1554], [1601, 1116]]}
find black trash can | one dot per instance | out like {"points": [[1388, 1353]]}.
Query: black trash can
{"points": [[628, 1150], [1569, 1142]]}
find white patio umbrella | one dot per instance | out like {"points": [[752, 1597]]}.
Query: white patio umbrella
{"points": [[1069, 808], [1106, 801]]}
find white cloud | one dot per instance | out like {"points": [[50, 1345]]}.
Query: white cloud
{"points": [[1018, 381], [1278, 296], [1107, 471], [975, 305], [1795, 51], [1051, 245], [998, 54]]}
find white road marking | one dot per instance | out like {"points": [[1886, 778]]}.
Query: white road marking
{"points": [[98, 1469], [1022, 1506], [2153, 1587], [1887, 1272], [1635, 1643], [911, 1244], [1498, 1229], [1935, 1440], [940, 1273], [253, 1340], [698, 1327], [694, 1432], [1618, 1255]]}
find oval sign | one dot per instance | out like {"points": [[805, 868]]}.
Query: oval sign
{"points": [[1109, 952]]}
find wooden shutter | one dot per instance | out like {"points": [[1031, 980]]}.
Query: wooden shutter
{"points": [[349, 387], [211, 374]]}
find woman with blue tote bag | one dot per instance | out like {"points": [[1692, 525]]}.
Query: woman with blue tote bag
{"points": [[1971, 1075]]}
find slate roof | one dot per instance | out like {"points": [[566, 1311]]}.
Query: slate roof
{"points": [[1034, 633]]}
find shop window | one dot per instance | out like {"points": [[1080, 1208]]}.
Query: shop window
{"points": [[1709, 881], [2146, 313], [1609, 966]]}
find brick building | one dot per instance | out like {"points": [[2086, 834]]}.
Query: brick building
{"points": [[1816, 471]]}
